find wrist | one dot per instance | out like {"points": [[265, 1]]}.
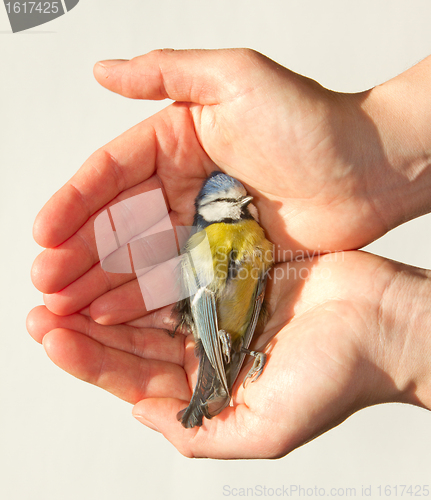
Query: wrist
{"points": [[404, 329], [400, 171]]}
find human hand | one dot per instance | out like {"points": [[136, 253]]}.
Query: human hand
{"points": [[176, 150], [285, 136], [315, 161], [345, 331], [330, 171]]}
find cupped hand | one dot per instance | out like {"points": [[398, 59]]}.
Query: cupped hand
{"points": [[299, 149], [331, 350], [297, 146], [312, 157]]}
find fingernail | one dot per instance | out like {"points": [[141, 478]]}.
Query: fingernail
{"points": [[104, 66], [146, 422], [111, 62]]}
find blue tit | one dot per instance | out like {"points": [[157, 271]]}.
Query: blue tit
{"points": [[222, 313]]}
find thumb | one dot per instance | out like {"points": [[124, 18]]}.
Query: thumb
{"points": [[198, 76], [234, 433]]}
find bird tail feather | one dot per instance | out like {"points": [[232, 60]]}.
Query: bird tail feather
{"points": [[209, 397]]}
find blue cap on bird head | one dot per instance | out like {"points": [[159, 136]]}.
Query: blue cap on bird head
{"points": [[220, 186]]}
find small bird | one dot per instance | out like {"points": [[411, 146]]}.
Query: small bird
{"points": [[226, 283]]}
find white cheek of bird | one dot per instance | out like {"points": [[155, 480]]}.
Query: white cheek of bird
{"points": [[220, 210]]}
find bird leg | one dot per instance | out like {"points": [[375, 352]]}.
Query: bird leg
{"points": [[258, 364], [226, 343]]}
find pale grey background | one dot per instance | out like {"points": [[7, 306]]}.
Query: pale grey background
{"points": [[63, 439]]}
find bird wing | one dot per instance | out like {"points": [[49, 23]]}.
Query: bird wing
{"points": [[197, 273], [205, 317]]}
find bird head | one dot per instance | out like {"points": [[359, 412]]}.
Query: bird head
{"points": [[224, 199]]}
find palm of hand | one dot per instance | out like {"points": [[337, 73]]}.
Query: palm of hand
{"points": [[315, 376]]}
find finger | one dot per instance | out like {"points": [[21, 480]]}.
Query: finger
{"points": [[121, 164], [198, 76], [119, 305], [82, 292], [125, 375], [113, 298], [116, 298], [147, 424], [148, 343], [162, 318], [40, 321], [55, 268], [154, 287], [235, 433]]}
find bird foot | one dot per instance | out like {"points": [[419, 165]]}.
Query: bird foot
{"points": [[257, 368], [226, 343]]}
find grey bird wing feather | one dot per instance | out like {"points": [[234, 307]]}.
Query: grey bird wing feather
{"points": [[205, 317]]}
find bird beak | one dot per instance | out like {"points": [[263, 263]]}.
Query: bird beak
{"points": [[245, 201]]}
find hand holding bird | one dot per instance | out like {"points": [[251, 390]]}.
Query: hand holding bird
{"points": [[286, 137]]}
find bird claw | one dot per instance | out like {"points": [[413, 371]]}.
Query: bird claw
{"points": [[258, 364], [226, 342]]}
